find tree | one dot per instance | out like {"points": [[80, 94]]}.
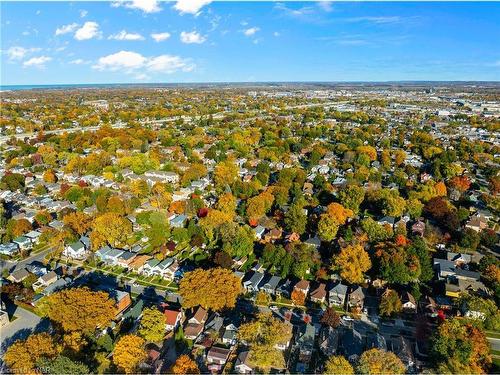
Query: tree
{"points": [[296, 219], [298, 297], [225, 173], [223, 259], [327, 227], [129, 353], [62, 365], [420, 249], [459, 345], [375, 231], [441, 190], [151, 327], [396, 265], [22, 355], [330, 318], [110, 228], [338, 365], [17, 228], [227, 204], [378, 361], [78, 222], [259, 205], [262, 335], [351, 197], [194, 172], [352, 262], [214, 289], [339, 213], [390, 303], [184, 365], [80, 309], [49, 176]]}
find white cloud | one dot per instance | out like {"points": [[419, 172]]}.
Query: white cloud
{"points": [[190, 6], [66, 29], [83, 13], [276, 34], [38, 62], [376, 20], [89, 30], [325, 5], [192, 37], [251, 31], [18, 53], [160, 37], [25, 33], [134, 63], [147, 6], [169, 64], [123, 35], [78, 62]]}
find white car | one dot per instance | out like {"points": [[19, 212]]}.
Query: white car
{"points": [[347, 318]]}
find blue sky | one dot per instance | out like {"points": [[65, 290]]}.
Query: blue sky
{"points": [[203, 41]]}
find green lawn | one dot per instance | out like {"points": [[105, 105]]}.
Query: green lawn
{"points": [[493, 334]]}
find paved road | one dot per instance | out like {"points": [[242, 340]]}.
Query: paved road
{"points": [[495, 343], [21, 327], [14, 265]]}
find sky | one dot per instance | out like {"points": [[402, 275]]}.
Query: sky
{"points": [[143, 41]]}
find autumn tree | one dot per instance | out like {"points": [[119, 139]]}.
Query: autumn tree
{"points": [[194, 172], [298, 297], [78, 222], [17, 228], [23, 355], [184, 365], [352, 262], [329, 222], [378, 361], [225, 173], [395, 264], [214, 289], [151, 327], [62, 365], [227, 204], [460, 347], [129, 353], [49, 176], [296, 219], [262, 335], [338, 365], [330, 318], [110, 228], [80, 309], [259, 205], [390, 303]]}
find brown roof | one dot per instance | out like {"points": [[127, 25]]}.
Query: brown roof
{"points": [[139, 261], [302, 285], [319, 292], [200, 315]]}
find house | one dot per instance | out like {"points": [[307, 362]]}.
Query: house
{"points": [[337, 295], [55, 286], [418, 228], [33, 236], [252, 284], [23, 242], [352, 343], [179, 221], [356, 298], [270, 284], [477, 223], [192, 331], [305, 342], [458, 258], [172, 318], [318, 295], [217, 357], [122, 300], [46, 280], [403, 349], [149, 266], [76, 250], [9, 249], [18, 275], [242, 365], [273, 235], [138, 262], [302, 286], [387, 220], [108, 255], [229, 335], [125, 258], [315, 242], [259, 231], [328, 341], [200, 316], [408, 302], [444, 268], [284, 290]]}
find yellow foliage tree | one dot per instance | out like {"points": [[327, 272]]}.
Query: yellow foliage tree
{"points": [[441, 190], [78, 222], [378, 361], [338, 365], [22, 355], [214, 289], [227, 204], [225, 173], [184, 365], [80, 309], [129, 353], [352, 262], [110, 228]]}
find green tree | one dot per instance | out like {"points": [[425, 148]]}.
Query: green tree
{"points": [[296, 219], [390, 303], [152, 326]]}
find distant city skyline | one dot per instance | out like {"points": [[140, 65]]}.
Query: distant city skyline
{"points": [[145, 41]]}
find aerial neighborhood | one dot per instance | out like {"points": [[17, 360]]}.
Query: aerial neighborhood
{"points": [[288, 229]]}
